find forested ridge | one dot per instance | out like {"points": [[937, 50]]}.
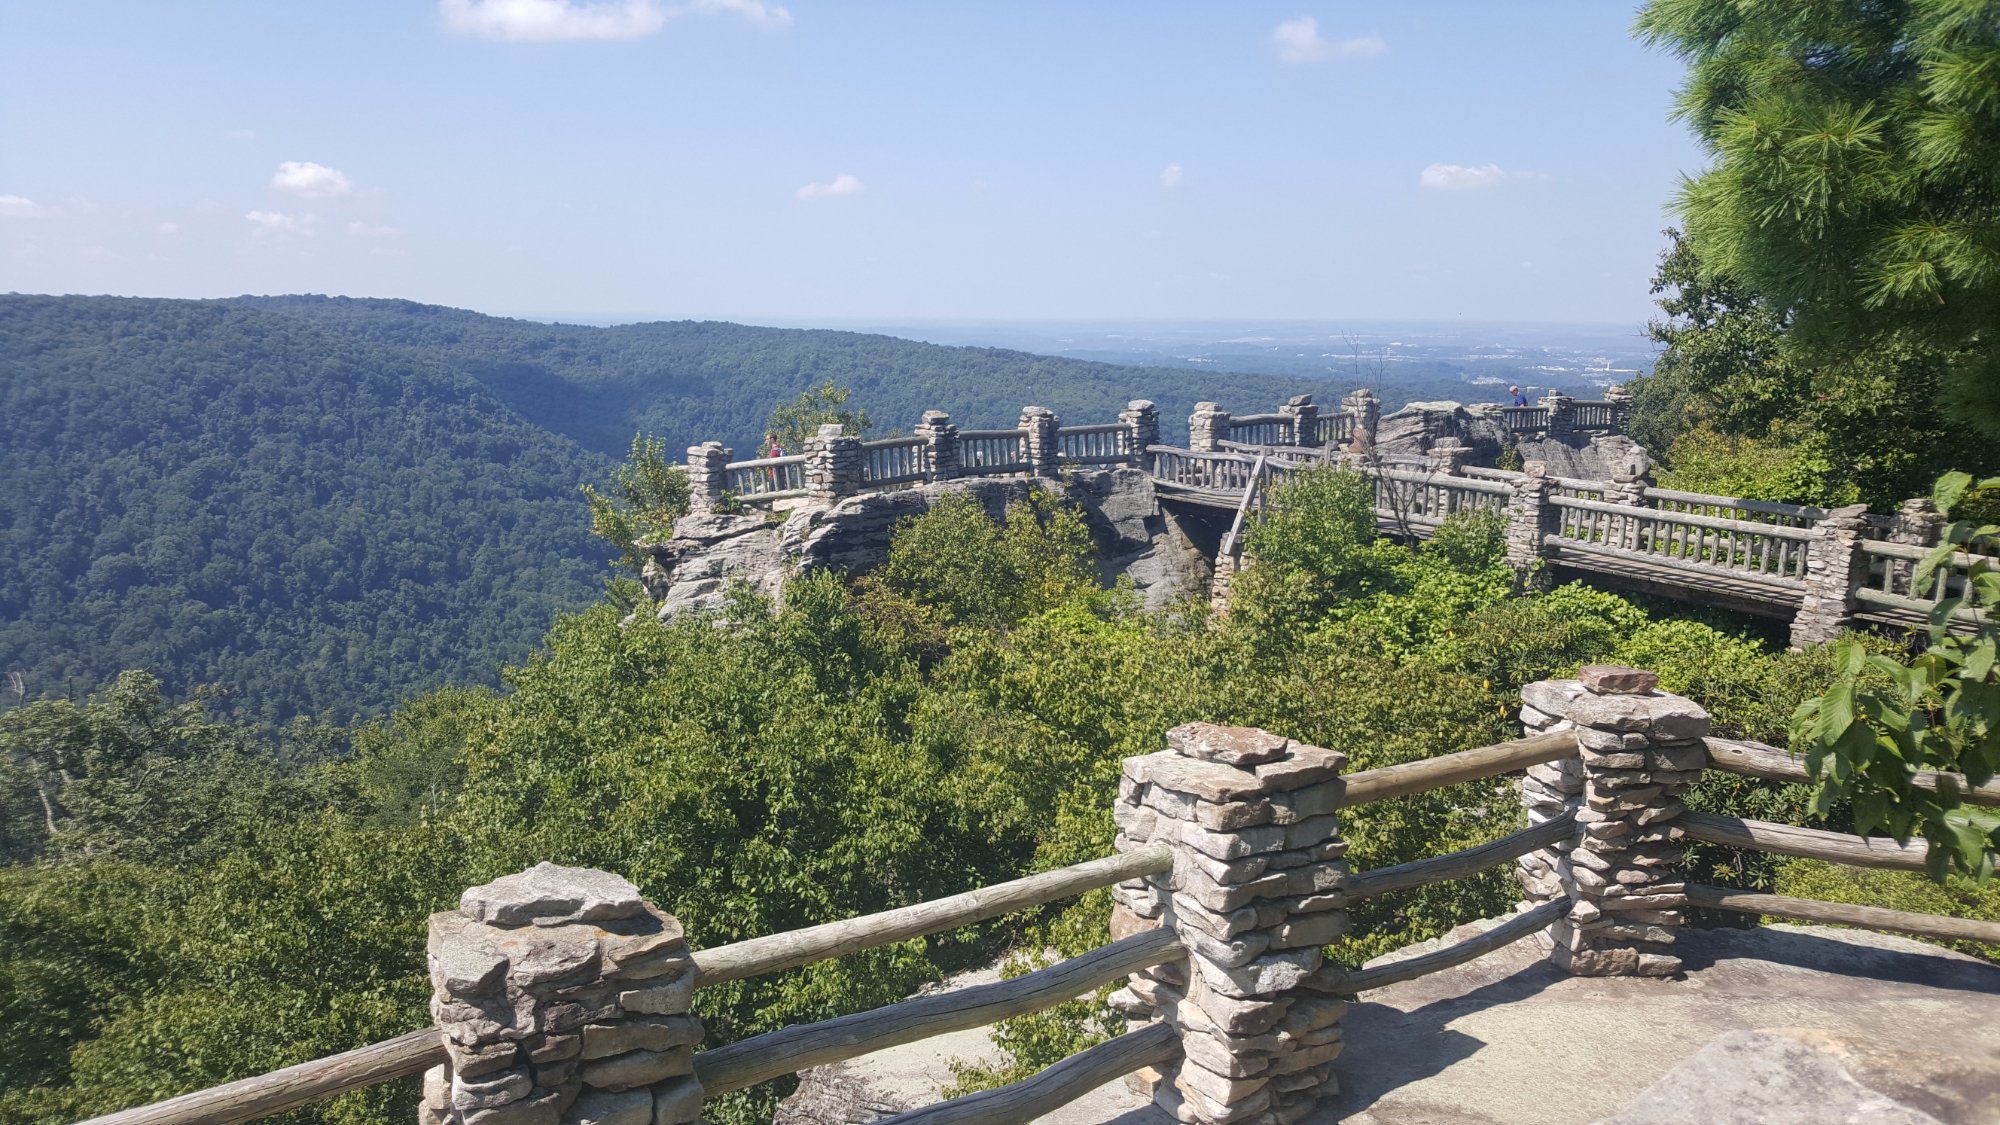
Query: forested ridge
{"points": [[323, 506]]}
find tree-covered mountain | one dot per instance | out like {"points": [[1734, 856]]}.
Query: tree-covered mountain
{"points": [[690, 381], [323, 506], [314, 523]]}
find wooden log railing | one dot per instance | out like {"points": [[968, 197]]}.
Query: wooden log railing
{"points": [[1459, 864], [1804, 843], [1450, 769], [1506, 933], [792, 1049], [1936, 926], [402, 1057], [1036, 1096], [1755, 759]]}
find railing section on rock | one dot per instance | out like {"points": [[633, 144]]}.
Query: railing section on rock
{"points": [[563, 997]]}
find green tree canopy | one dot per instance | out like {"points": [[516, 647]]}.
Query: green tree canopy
{"points": [[1856, 176]]}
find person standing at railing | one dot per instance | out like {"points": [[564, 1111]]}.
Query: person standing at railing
{"points": [[1519, 398], [772, 449]]}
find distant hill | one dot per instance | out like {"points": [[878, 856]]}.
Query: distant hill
{"points": [[689, 381], [325, 505]]}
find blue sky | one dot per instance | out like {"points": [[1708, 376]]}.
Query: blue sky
{"points": [[757, 161]]}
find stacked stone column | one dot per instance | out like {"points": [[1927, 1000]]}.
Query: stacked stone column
{"points": [[1621, 407], [834, 461], [1528, 513], [1255, 892], [1038, 426], [1142, 427], [1448, 456], [1208, 427], [1834, 567], [1562, 414], [1550, 790], [563, 997], [940, 445], [1918, 524], [1631, 476], [708, 476], [1305, 420], [1367, 411], [1640, 749]]}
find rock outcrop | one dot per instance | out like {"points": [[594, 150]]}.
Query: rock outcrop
{"points": [[692, 572]]}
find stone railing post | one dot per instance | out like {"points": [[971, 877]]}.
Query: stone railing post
{"points": [[1142, 428], [1640, 751], [1918, 524], [1528, 513], [1256, 890], [833, 464], [940, 445], [1367, 411], [1305, 420], [1621, 407], [1208, 427], [1834, 567], [1448, 456], [1040, 424], [1562, 414], [708, 476], [563, 999], [1548, 790], [1630, 478]]}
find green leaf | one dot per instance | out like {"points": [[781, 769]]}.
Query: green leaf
{"points": [[1948, 489]]}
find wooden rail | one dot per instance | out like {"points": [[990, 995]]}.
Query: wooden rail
{"points": [[1450, 769], [792, 1049], [293, 1086], [1506, 933], [1055, 1087], [834, 939], [1845, 914], [1755, 759], [1459, 864], [1805, 843]]}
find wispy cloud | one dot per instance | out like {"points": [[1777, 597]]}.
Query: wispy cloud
{"points": [[20, 207], [834, 188], [277, 224], [311, 181], [1170, 176], [1463, 177], [550, 20], [1299, 41]]}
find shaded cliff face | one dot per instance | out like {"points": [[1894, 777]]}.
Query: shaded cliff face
{"points": [[692, 572]]}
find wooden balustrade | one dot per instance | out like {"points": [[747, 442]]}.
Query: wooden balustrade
{"points": [[1107, 444], [987, 453], [769, 478], [893, 461], [1769, 553], [1733, 508]]}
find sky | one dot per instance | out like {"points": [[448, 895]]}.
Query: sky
{"points": [[747, 160]]}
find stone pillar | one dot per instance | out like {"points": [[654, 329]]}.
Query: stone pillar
{"points": [[1227, 565], [708, 476], [1448, 456], [1208, 427], [940, 445], [563, 1000], [1305, 420], [1640, 751], [1254, 894], [1548, 790], [1834, 567], [1142, 428], [833, 464], [1039, 425], [1528, 514], [1562, 414], [1631, 476], [1918, 524], [1367, 411], [1621, 407]]}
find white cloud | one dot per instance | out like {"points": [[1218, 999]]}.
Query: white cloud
{"points": [[840, 185], [550, 20], [1460, 177], [310, 180], [1170, 176], [358, 229], [756, 11], [20, 207], [1299, 41], [277, 224]]}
